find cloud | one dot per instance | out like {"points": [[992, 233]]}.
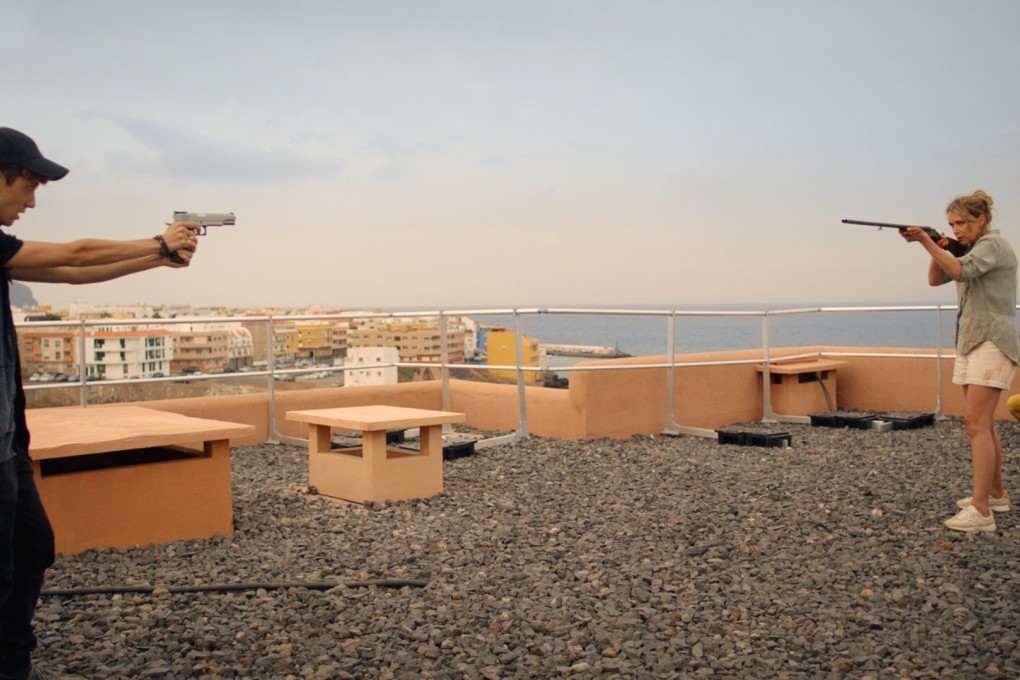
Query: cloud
{"points": [[185, 153]]}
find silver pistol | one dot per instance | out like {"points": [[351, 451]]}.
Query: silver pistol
{"points": [[204, 220]]}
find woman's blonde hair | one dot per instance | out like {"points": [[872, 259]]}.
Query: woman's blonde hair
{"points": [[975, 205]]}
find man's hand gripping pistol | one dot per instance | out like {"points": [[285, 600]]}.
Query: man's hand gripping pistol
{"points": [[203, 220]]}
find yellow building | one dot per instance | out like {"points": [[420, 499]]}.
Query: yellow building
{"points": [[501, 350], [340, 330], [286, 342], [318, 341], [315, 341]]}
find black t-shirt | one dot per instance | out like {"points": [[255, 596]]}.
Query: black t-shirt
{"points": [[13, 432]]}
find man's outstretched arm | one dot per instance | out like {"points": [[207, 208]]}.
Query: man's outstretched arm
{"points": [[97, 273], [95, 260]]}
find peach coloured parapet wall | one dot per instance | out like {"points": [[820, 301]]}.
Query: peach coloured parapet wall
{"points": [[623, 402]]}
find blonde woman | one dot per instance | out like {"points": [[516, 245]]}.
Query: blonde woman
{"points": [[987, 346]]}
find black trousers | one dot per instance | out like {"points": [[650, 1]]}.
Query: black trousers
{"points": [[26, 551]]}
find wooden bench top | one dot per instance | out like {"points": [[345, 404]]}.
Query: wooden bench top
{"points": [[68, 431], [797, 367], [371, 418]]}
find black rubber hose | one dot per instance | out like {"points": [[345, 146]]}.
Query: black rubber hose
{"points": [[227, 587], [825, 391]]}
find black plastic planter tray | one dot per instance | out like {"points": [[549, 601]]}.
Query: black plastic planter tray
{"points": [[856, 420], [852, 419], [451, 449], [731, 435], [740, 436], [827, 419], [908, 421], [769, 439]]}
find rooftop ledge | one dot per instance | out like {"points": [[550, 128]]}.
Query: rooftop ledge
{"points": [[620, 398]]}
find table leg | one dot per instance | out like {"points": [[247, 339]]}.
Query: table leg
{"points": [[374, 448], [431, 440], [320, 438]]}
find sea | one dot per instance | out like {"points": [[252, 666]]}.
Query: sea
{"points": [[643, 330]]}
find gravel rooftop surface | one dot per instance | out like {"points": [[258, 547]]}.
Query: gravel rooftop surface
{"points": [[650, 557]]}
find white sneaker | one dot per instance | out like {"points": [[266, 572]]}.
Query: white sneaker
{"points": [[970, 521], [997, 504]]}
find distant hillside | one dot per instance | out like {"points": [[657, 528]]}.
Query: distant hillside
{"points": [[21, 296]]}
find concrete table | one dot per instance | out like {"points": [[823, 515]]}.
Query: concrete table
{"points": [[119, 476], [372, 471]]}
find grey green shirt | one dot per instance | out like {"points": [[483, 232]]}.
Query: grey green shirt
{"points": [[986, 297]]}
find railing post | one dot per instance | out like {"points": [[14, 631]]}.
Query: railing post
{"points": [[768, 415], [271, 389], [938, 361], [671, 424], [82, 367], [522, 406], [444, 370]]}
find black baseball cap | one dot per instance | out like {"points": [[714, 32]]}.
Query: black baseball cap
{"points": [[17, 148]]}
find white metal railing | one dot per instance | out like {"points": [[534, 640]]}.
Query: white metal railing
{"points": [[444, 365]]}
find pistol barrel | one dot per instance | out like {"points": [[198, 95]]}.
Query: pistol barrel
{"points": [[204, 220]]}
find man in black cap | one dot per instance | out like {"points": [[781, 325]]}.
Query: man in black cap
{"points": [[26, 538]]}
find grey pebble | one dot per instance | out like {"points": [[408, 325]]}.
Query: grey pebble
{"points": [[664, 557]]}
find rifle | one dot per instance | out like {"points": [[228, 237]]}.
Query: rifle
{"points": [[203, 220], [952, 245]]}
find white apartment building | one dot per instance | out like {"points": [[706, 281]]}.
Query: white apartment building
{"points": [[122, 353], [470, 337], [371, 366], [240, 348]]}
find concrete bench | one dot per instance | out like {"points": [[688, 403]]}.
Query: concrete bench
{"points": [[374, 472], [119, 476], [794, 390]]}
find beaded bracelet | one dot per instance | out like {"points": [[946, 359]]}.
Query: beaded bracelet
{"points": [[163, 250]]}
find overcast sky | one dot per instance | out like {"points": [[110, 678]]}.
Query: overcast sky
{"points": [[448, 154]]}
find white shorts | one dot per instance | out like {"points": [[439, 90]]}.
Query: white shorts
{"points": [[984, 365]]}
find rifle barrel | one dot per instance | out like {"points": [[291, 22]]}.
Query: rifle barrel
{"points": [[883, 224]]}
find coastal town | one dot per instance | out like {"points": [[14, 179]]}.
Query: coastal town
{"points": [[108, 342]]}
